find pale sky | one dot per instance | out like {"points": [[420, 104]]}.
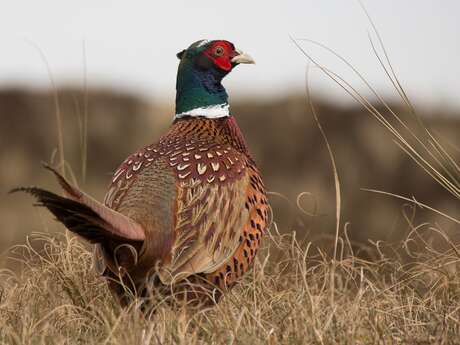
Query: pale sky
{"points": [[132, 44]]}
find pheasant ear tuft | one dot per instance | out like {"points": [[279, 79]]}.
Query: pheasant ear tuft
{"points": [[181, 54]]}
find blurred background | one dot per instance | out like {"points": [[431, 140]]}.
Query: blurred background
{"points": [[109, 69]]}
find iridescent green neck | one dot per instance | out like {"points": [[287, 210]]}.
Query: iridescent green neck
{"points": [[200, 92]]}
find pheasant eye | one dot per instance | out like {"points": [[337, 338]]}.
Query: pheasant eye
{"points": [[219, 51]]}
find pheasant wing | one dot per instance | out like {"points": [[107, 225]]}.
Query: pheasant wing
{"points": [[210, 213]]}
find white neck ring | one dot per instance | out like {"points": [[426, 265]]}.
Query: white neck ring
{"points": [[211, 112]]}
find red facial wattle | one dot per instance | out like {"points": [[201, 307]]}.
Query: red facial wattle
{"points": [[221, 54], [223, 63]]}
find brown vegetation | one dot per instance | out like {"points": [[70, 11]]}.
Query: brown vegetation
{"points": [[402, 290], [295, 295]]}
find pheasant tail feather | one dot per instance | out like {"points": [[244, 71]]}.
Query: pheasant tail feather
{"points": [[84, 215]]}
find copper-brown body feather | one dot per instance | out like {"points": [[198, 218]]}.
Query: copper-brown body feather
{"points": [[185, 215], [199, 197]]}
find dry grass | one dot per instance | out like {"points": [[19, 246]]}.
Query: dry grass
{"points": [[407, 294]]}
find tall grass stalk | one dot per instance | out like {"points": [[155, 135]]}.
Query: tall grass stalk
{"points": [[417, 142]]}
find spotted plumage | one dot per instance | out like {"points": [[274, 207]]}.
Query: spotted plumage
{"points": [[190, 208], [220, 199]]}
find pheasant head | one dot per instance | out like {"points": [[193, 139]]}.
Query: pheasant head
{"points": [[203, 65]]}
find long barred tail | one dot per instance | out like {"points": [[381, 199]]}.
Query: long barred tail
{"points": [[84, 215]]}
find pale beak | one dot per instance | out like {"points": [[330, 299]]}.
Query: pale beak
{"points": [[242, 57]]}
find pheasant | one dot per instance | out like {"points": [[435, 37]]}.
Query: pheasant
{"points": [[186, 214]]}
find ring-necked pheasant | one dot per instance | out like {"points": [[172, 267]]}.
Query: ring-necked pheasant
{"points": [[189, 209]]}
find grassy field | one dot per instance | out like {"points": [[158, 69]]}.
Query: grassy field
{"points": [[301, 291], [409, 293]]}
